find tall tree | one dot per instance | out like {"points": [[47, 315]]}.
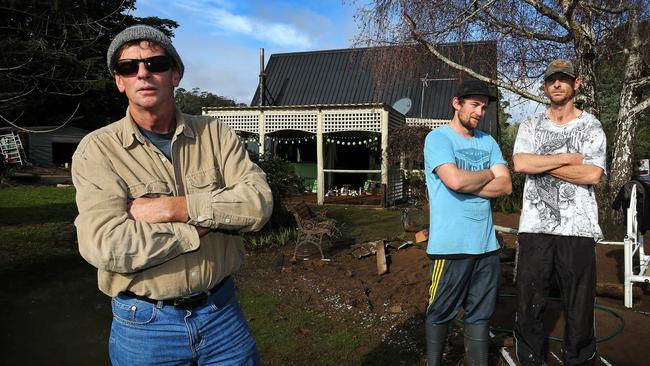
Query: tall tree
{"points": [[53, 65], [530, 33], [191, 101]]}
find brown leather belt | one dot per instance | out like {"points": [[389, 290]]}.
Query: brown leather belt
{"points": [[183, 302]]}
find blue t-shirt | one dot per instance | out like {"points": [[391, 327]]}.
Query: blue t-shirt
{"points": [[460, 223]]}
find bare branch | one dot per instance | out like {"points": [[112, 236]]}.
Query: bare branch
{"points": [[511, 28], [457, 23], [18, 96], [16, 67], [12, 123], [638, 108], [639, 83], [549, 13], [68, 94], [409, 22], [622, 7]]}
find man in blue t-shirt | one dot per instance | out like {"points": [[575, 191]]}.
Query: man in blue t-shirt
{"points": [[464, 169]]}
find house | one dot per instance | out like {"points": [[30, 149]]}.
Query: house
{"points": [[46, 147], [395, 76], [331, 112]]}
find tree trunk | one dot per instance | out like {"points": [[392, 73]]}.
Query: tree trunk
{"points": [[620, 170]]}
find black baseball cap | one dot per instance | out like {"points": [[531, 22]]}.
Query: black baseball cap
{"points": [[475, 87]]}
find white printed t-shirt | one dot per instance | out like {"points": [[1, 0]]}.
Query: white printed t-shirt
{"points": [[551, 205]]}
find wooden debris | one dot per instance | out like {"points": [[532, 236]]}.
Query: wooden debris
{"points": [[397, 245], [395, 309], [382, 267], [364, 249], [421, 236], [616, 290]]}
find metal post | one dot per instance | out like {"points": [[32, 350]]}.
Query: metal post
{"points": [[384, 147], [628, 248], [320, 174], [384, 156], [262, 133], [262, 78]]}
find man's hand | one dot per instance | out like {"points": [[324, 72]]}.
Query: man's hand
{"points": [[158, 210], [501, 185], [464, 181]]}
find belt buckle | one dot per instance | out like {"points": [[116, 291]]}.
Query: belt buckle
{"points": [[189, 303]]}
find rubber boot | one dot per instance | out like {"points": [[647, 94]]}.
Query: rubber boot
{"points": [[477, 341], [436, 339]]}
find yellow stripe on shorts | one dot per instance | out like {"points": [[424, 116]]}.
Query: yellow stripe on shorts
{"points": [[438, 266]]}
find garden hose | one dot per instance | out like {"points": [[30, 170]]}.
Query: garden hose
{"points": [[617, 331]]}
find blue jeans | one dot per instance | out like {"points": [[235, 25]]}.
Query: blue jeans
{"points": [[216, 333]]}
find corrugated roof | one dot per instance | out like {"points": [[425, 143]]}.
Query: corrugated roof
{"points": [[376, 75]]}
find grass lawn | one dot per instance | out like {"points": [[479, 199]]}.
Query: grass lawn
{"points": [[30, 219], [366, 224]]}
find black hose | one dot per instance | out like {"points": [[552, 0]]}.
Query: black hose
{"points": [[617, 331]]}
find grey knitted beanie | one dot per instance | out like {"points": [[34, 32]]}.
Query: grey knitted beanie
{"points": [[143, 32]]}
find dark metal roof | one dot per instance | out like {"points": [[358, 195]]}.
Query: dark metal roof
{"points": [[377, 75]]}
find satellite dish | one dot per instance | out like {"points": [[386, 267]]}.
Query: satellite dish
{"points": [[403, 105]]}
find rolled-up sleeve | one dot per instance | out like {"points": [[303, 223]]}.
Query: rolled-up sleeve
{"points": [[108, 239], [245, 203]]}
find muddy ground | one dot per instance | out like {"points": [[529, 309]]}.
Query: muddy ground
{"points": [[347, 284]]}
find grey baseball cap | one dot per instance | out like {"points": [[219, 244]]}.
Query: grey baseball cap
{"points": [[147, 33], [560, 66]]}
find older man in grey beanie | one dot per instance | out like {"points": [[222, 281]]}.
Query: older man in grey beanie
{"points": [[163, 197]]}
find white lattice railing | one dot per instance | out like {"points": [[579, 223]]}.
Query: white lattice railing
{"points": [[362, 119], [352, 120], [429, 122], [290, 120], [248, 121]]}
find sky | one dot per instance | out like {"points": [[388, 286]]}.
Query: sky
{"points": [[219, 41]]}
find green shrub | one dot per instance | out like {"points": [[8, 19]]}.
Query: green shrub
{"points": [[280, 229], [281, 177], [269, 239]]}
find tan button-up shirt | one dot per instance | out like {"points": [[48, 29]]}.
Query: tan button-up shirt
{"points": [[210, 167]]}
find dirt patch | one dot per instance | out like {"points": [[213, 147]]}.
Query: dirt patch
{"points": [[398, 298]]}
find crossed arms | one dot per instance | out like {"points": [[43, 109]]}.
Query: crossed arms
{"points": [[566, 166], [123, 235], [160, 210], [486, 183]]}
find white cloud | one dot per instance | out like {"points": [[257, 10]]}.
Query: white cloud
{"points": [[218, 66], [226, 22], [219, 40]]}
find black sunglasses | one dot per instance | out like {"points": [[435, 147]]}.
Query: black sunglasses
{"points": [[130, 66]]}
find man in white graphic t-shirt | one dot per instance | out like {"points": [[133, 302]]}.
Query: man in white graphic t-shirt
{"points": [[562, 153]]}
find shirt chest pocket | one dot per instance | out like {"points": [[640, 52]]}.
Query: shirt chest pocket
{"points": [[476, 211], [205, 181], [153, 189]]}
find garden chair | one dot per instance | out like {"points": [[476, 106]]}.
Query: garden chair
{"points": [[312, 227]]}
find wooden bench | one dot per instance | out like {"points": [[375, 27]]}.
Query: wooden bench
{"points": [[312, 227]]}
